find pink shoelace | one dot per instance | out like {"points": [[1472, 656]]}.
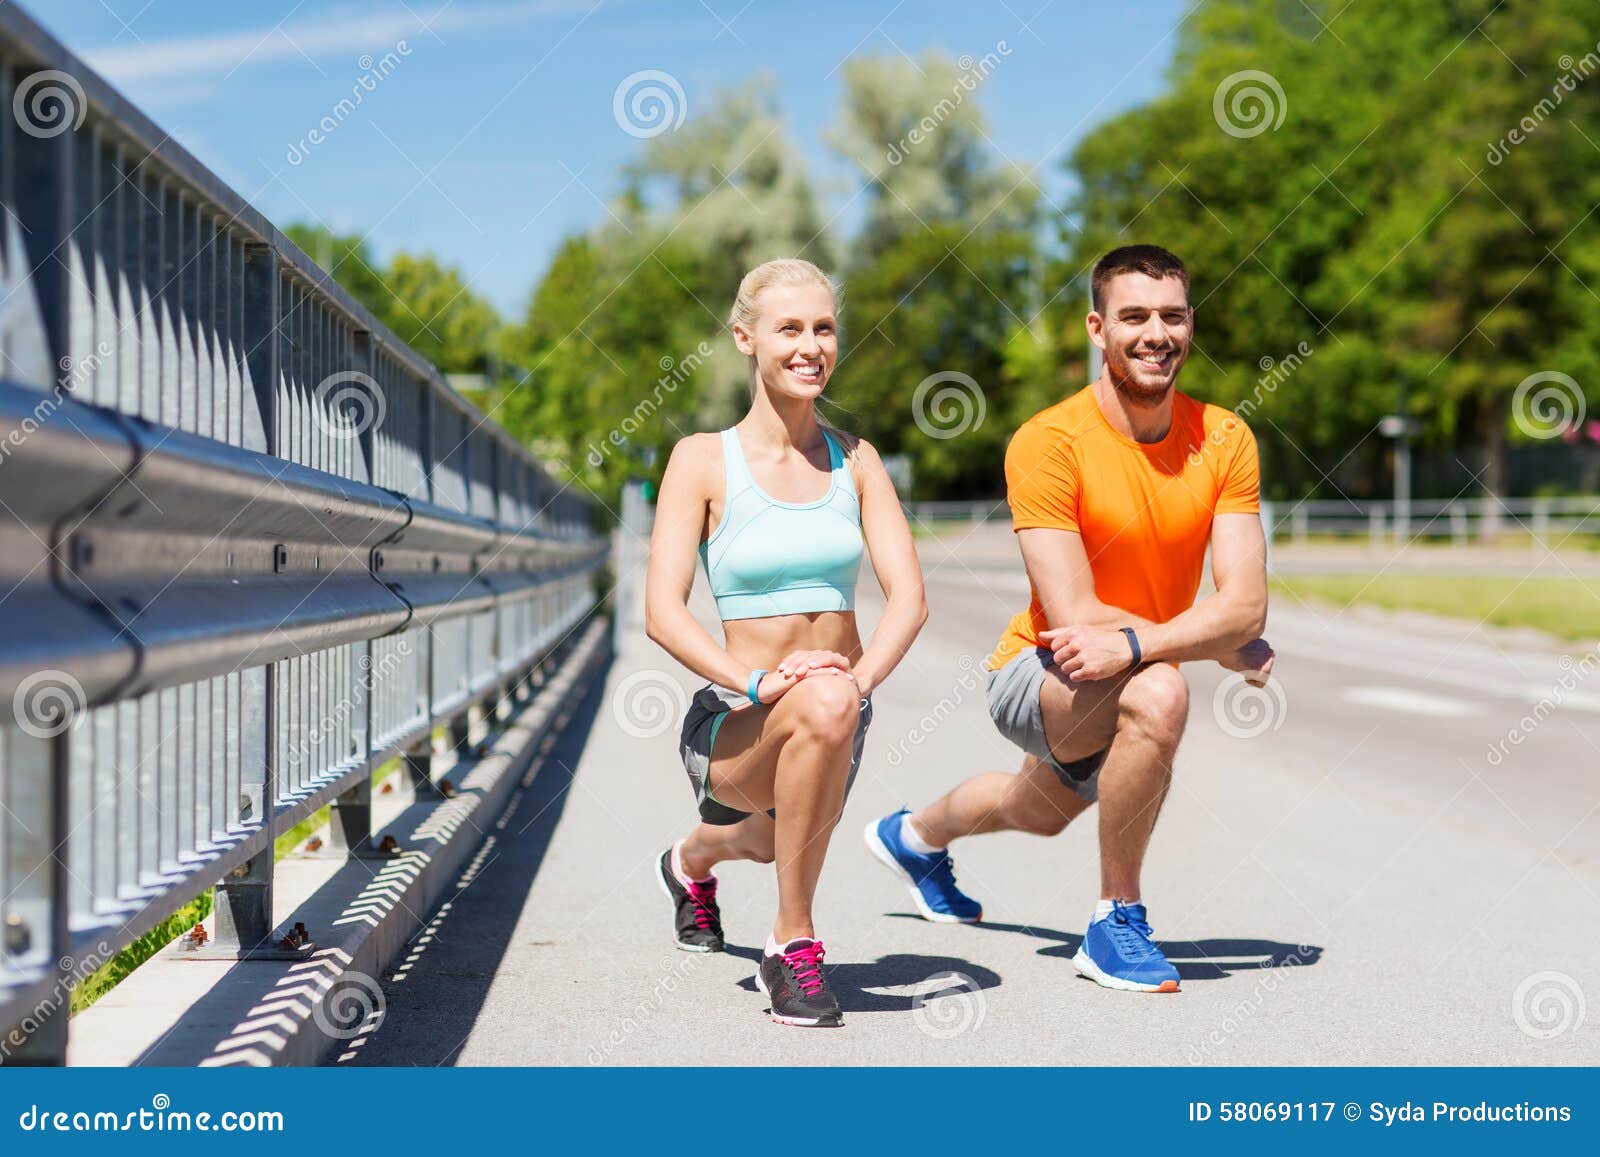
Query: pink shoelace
{"points": [[807, 965], [704, 897]]}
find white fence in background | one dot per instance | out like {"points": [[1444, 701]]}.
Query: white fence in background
{"points": [[1545, 521]]}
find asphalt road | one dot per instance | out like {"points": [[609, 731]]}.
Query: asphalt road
{"points": [[1391, 858]]}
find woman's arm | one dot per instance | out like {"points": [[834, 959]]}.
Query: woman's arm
{"points": [[894, 561], [681, 507]]}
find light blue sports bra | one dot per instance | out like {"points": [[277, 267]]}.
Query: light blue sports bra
{"points": [[783, 558]]}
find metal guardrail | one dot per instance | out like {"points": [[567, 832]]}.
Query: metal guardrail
{"points": [[1460, 520], [251, 545]]}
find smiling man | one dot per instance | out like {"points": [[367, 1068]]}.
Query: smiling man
{"points": [[1115, 494]]}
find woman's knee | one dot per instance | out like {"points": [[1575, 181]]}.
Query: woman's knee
{"points": [[760, 853], [824, 708], [1156, 701]]}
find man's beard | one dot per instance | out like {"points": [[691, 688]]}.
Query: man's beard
{"points": [[1123, 381]]}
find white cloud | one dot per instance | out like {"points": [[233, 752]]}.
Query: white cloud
{"points": [[315, 36]]}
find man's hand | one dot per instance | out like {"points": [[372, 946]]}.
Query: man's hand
{"points": [[1254, 659], [1086, 654]]}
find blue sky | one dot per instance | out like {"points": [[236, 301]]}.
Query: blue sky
{"points": [[493, 136]]}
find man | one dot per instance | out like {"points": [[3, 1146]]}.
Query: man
{"points": [[1115, 494]]}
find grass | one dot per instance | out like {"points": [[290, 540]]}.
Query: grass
{"points": [[115, 970], [1566, 608]]}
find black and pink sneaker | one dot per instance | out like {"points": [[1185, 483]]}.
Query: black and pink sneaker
{"points": [[793, 981], [696, 921]]}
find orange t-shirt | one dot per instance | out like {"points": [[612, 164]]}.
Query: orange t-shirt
{"points": [[1144, 510]]}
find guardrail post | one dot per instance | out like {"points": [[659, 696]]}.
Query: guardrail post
{"points": [[418, 765], [1299, 525], [42, 187], [461, 732], [46, 1044], [244, 896], [1375, 526], [260, 309], [350, 820], [1541, 522], [1458, 524]]}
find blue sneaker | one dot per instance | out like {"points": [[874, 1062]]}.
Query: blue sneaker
{"points": [[931, 878], [1118, 952]]}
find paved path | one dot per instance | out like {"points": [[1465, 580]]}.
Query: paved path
{"points": [[1380, 876]]}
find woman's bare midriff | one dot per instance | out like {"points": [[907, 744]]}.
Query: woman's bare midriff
{"points": [[765, 642]]}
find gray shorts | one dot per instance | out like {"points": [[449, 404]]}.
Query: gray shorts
{"points": [[707, 711], [1014, 707]]}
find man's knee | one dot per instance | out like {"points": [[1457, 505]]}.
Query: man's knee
{"points": [[1026, 809], [1156, 703], [1040, 821]]}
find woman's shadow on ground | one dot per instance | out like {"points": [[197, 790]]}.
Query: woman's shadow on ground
{"points": [[926, 979]]}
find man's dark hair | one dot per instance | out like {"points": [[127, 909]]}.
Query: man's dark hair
{"points": [[1150, 260]]}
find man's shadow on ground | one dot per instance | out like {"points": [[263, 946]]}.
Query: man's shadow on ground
{"points": [[1194, 959], [928, 979]]}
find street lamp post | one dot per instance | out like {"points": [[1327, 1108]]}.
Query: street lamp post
{"points": [[1400, 428]]}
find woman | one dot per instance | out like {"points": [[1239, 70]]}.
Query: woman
{"points": [[777, 507]]}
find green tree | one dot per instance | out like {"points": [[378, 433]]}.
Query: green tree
{"points": [[348, 257], [611, 356], [428, 305], [938, 302], [430, 308], [1344, 199], [728, 186], [944, 280], [915, 131]]}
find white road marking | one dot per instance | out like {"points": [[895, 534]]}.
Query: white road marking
{"points": [[1408, 701]]}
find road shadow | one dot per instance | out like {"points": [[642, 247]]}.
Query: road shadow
{"points": [[851, 982], [1194, 959], [434, 995]]}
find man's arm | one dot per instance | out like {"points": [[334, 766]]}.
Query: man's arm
{"points": [[1085, 632]]}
